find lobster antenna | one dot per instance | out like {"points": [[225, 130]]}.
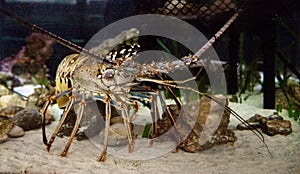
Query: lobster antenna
{"points": [[212, 40], [56, 38]]}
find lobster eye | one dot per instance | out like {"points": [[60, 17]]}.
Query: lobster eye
{"points": [[105, 73], [109, 73]]}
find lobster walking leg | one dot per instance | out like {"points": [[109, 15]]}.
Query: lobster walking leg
{"points": [[107, 124], [127, 125], [75, 129], [44, 110], [65, 113], [154, 115]]}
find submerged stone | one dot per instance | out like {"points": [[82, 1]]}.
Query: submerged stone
{"points": [[6, 125], [3, 138], [210, 128], [117, 135], [271, 125], [28, 119], [16, 132], [10, 111]]}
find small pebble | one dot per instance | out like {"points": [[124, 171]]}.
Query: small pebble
{"points": [[16, 132]]}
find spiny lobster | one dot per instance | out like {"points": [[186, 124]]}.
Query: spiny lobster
{"points": [[116, 83]]}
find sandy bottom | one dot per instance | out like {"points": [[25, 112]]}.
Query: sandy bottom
{"points": [[248, 155]]}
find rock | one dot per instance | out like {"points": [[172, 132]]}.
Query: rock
{"points": [[253, 122], [40, 96], [6, 125], [16, 132], [3, 138], [49, 116], [242, 126], [4, 90], [7, 80], [10, 111], [271, 125], [255, 118], [211, 127], [28, 119], [117, 119], [12, 100], [68, 124], [274, 117]]}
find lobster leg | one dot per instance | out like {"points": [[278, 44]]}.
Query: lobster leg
{"points": [[127, 125], [154, 115], [43, 113], [44, 110], [173, 121], [107, 124], [76, 126], [66, 111]]}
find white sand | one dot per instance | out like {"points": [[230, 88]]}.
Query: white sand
{"points": [[248, 155]]}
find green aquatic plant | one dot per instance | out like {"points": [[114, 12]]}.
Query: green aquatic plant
{"points": [[290, 94], [293, 112], [147, 131], [248, 76], [286, 70], [42, 81], [163, 46]]}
